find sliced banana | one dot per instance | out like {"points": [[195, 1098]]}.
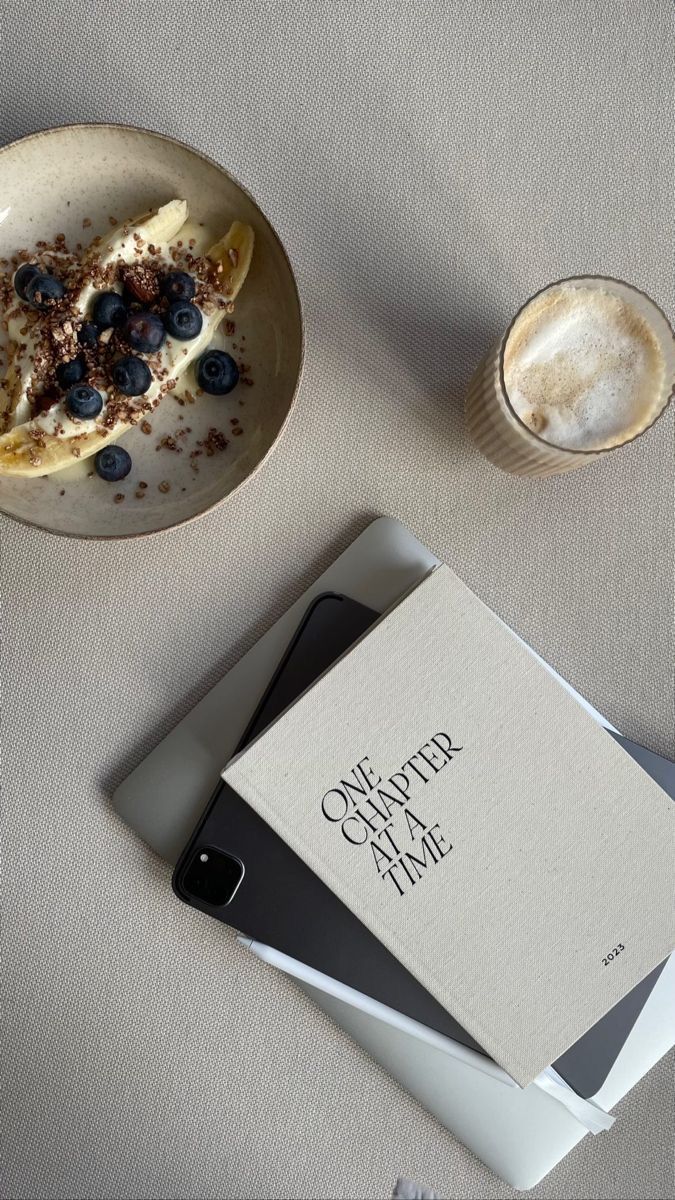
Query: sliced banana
{"points": [[26, 451], [54, 440], [233, 253]]}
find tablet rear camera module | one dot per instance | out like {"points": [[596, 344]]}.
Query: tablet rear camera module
{"points": [[212, 877]]}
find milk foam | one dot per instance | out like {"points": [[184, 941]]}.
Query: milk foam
{"points": [[583, 369]]}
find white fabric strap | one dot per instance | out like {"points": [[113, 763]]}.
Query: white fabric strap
{"points": [[587, 1112]]}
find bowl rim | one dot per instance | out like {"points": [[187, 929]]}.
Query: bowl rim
{"points": [[144, 533]]}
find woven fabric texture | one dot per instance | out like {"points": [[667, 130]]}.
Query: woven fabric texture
{"points": [[428, 166]]}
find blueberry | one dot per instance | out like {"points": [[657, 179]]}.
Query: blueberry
{"points": [[183, 320], [178, 285], [42, 290], [109, 309], [112, 463], [131, 375], [68, 373], [144, 331], [84, 402], [88, 335], [23, 276], [217, 372]]}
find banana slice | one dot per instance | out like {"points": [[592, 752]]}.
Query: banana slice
{"points": [[54, 440], [26, 450], [233, 253]]}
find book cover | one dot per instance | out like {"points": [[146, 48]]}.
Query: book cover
{"points": [[468, 810]]}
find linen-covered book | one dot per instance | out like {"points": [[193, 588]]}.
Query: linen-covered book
{"points": [[467, 809]]}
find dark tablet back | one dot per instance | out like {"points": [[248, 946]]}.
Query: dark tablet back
{"points": [[281, 902]]}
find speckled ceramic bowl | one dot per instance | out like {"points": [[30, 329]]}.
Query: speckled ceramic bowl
{"points": [[54, 181]]}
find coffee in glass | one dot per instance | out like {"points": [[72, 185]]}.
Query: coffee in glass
{"points": [[586, 365]]}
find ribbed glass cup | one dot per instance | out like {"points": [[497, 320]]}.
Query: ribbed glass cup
{"points": [[498, 431]]}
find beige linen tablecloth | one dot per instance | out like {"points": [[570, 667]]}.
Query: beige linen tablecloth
{"points": [[428, 166]]}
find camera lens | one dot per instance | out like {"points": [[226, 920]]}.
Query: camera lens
{"points": [[212, 876]]}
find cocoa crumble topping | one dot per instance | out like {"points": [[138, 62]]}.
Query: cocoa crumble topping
{"points": [[119, 497], [214, 442], [164, 486]]}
